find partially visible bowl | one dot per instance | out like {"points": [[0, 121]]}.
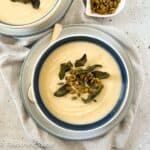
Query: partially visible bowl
{"points": [[39, 25], [91, 14]]}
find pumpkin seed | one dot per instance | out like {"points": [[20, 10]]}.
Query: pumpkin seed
{"points": [[104, 6]]}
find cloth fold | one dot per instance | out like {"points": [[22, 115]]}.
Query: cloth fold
{"points": [[12, 54]]}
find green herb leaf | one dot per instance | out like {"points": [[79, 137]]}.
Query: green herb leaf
{"points": [[62, 91], [35, 3], [64, 68], [81, 62], [100, 74], [88, 69], [92, 96], [93, 67]]}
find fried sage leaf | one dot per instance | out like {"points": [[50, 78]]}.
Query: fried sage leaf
{"points": [[100, 74], [92, 96], [62, 91], [81, 62], [35, 3], [64, 68], [23, 1], [88, 69], [93, 67]]}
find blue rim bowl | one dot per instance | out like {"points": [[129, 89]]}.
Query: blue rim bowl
{"points": [[116, 108]]}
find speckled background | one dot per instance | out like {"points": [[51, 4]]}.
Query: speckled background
{"points": [[135, 22]]}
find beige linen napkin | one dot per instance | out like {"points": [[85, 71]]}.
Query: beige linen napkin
{"points": [[12, 55]]}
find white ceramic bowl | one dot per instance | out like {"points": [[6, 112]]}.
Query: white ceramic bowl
{"points": [[39, 26], [91, 14], [29, 78]]}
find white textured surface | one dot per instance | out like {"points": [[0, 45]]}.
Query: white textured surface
{"points": [[134, 21]]}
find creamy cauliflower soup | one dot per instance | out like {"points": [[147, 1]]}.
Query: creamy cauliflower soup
{"points": [[19, 13], [76, 111]]}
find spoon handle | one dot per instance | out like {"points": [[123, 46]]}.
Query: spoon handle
{"points": [[56, 32]]}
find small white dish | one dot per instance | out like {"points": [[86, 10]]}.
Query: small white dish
{"points": [[91, 14]]}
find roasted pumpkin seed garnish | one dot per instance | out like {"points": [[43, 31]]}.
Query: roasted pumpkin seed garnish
{"points": [[104, 6], [35, 3], [82, 82]]}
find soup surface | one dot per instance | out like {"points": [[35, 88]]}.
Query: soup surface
{"points": [[18, 13], [75, 111]]}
